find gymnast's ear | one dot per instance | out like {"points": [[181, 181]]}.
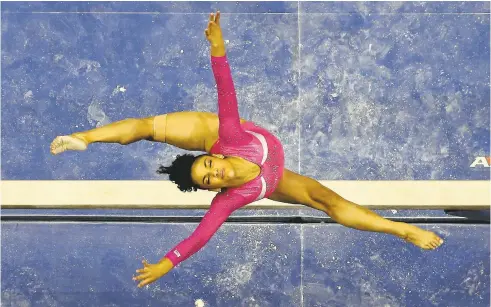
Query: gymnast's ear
{"points": [[219, 156]]}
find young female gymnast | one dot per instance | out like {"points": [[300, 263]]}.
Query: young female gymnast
{"points": [[245, 163]]}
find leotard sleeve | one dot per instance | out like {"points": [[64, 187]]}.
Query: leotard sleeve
{"points": [[221, 208], [229, 130]]}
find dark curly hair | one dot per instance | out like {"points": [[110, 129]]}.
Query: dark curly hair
{"points": [[180, 172]]}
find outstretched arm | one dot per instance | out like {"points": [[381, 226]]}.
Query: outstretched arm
{"points": [[221, 208], [229, 130]]}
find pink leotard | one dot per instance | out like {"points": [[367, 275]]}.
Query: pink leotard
{"points": [[247, 141]]}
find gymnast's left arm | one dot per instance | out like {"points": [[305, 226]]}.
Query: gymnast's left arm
{"points": [[221, 208]]}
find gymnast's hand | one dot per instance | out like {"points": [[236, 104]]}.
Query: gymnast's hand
{"points": [[152, 272], [213, 34]]}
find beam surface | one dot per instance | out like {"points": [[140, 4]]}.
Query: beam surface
{"points": [[153, 194]]}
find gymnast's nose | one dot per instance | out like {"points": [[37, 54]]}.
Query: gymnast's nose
{"points": [[217, 173]]}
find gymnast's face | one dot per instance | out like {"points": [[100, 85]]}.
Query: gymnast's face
{"points": [[212, 172]]}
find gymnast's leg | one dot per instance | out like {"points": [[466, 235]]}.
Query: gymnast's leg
{"points": [[296, 189], [123, 132]]}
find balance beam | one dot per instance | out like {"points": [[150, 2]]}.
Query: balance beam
{"points": [[154, 194]]}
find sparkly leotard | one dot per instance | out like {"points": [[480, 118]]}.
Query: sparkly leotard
{"points": [[248, 141]]}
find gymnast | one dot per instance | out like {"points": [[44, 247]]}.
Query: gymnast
{"points": [[245, 163]]}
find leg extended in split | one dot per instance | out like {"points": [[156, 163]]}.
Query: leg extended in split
{"points": [[297, 189]]}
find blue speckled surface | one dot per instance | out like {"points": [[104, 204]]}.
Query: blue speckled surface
{"points": [[242, 265]]}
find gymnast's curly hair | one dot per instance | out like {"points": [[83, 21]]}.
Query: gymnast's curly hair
{"points": [[180, 172]]}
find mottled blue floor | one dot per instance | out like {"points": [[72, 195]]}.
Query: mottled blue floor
{"points": [[355, 91], [243, 265]]}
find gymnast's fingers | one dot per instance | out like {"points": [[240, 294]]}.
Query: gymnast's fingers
{"points": [[146, 282], [142, 276]]}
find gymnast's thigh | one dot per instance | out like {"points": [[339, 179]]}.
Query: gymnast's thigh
{"points": [[296, 189]]}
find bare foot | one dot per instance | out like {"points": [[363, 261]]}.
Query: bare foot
{"points": [[67, 142], [420, 237]]}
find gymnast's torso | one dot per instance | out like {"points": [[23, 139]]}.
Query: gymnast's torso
{"points": [[264, 150]]}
